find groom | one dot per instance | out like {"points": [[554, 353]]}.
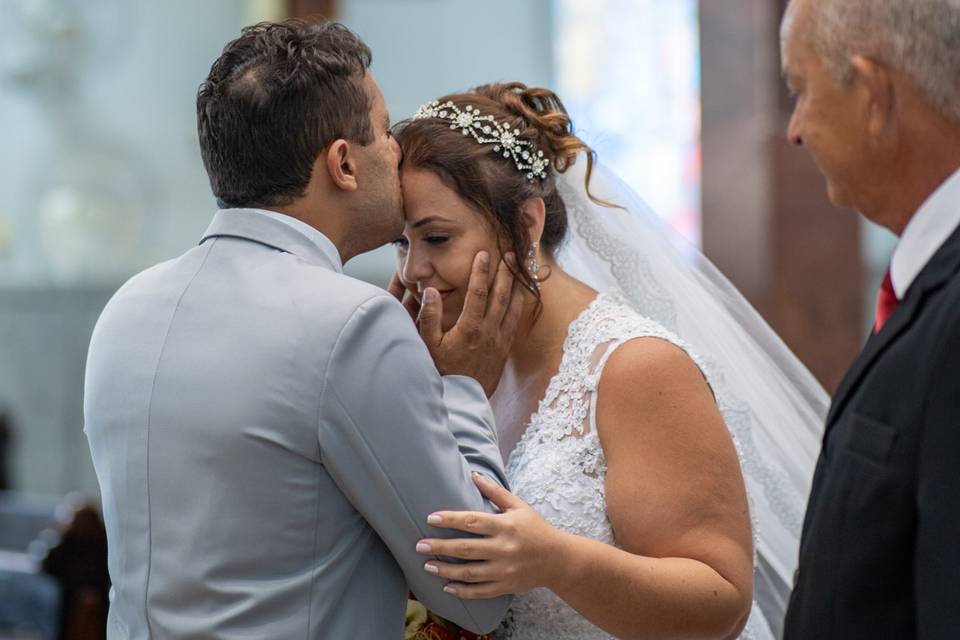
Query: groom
{"points": [[269, 434], [878, 107]]}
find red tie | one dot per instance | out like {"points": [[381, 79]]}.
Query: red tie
{"points": [[886, 303]]}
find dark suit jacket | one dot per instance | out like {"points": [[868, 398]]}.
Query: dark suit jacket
{"points": [[880, 553]]}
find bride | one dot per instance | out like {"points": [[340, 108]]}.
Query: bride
{"points": [[659, 438]]}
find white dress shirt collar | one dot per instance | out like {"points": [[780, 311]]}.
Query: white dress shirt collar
{"points": [[926, 232], [323, 242]]}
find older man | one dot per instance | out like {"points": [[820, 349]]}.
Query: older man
{"points": [[878, 107]]}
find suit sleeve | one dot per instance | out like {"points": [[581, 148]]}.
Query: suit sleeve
{"points": [[401, 442], [937, 555]]}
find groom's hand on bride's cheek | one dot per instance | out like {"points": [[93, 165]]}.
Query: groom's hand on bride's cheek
{"points": [[478, 345], [399, 290]]}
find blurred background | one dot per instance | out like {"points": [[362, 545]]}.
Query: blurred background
{"points": [[100, 177]]}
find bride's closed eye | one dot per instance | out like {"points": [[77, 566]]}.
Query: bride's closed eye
{"points": [[436, 239]]}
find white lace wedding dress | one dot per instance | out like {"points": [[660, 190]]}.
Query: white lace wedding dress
{"points": [[558, 465]]}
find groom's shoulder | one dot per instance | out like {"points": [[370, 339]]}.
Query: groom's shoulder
{"points": [[316, 298], [337, 297], [147, 279]]}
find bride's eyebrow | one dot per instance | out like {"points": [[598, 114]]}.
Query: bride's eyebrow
{"points": [[428, 220]]}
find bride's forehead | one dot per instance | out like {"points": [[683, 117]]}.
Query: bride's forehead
{"points": [[426, 195], [422, 187]]}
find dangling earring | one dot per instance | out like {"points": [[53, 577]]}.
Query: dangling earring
{"points": [[533, 266]]}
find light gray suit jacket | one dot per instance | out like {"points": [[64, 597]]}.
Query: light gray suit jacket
{"points": [[269, 436]]}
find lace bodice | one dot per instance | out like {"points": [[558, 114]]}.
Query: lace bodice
{"points": [[558, 466]]}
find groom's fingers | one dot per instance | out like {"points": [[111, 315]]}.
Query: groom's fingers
{"points": [[501, 296], [396, 288], [412, 305], [478, 289], [511, 320], [431, 313]]}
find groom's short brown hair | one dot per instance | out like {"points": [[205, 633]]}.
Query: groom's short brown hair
{"points": [[275, 97]]}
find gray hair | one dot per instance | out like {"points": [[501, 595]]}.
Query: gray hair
{"points": [[921, 38]]}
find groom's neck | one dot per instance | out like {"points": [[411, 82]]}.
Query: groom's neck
{"points": [[324, 219]]}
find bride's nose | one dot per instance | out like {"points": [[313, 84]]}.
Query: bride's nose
{"points": [[415, 269]]}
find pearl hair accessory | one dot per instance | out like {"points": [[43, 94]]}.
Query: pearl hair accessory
{"points": [[486, 130]]}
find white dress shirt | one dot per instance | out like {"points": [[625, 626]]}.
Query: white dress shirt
{"points": [[926, 232]]}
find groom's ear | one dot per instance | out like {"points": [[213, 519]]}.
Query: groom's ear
{"points": [[341, 165], [534, 213]]}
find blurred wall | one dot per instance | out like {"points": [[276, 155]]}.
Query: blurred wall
{"points": [[98, 141], [114, 122]]}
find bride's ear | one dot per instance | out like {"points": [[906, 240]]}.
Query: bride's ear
{"points": [[534, 214], [339, 163]]}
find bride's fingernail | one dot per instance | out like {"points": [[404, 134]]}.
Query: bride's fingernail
{"points": [[434, 519], [423, 547], [451, 590], [431, 568]]}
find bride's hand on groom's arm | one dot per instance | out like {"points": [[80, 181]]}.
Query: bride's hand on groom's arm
{"points": [[508, 558], [478, 345]]}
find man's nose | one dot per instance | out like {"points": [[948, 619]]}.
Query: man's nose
{"points": [[793, 130]]}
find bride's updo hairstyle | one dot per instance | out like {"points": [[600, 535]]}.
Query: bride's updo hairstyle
{"points": [[491, 182]]}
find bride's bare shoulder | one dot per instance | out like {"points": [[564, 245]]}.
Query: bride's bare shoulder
{"points": [[669, 452], [653, 359], [651, 383]]}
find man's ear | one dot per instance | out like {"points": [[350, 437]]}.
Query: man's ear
{"points": [[534, 213], [878, 93], [340, 164]]}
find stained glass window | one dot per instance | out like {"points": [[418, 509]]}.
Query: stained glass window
{"points": [[629, 72]]}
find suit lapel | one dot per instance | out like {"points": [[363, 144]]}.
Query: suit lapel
{"points": [[898, 322], [941, 267]]}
